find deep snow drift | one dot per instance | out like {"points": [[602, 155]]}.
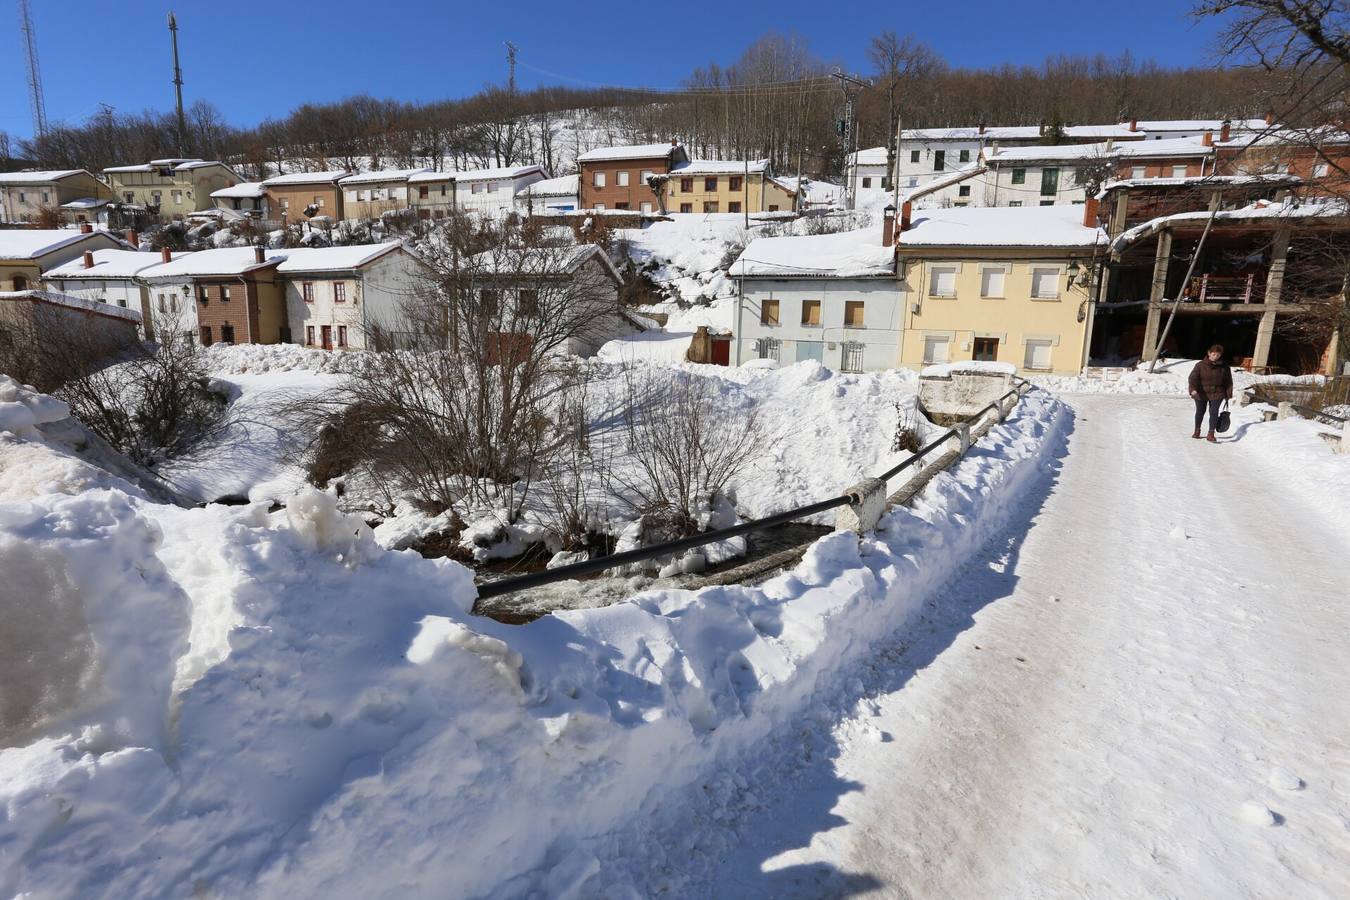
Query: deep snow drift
{"points": [[227, 702]]}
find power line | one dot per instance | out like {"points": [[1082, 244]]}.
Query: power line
{"points": [[813, 84]]}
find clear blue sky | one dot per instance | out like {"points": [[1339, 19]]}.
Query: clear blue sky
{"points": [[255, 60]]}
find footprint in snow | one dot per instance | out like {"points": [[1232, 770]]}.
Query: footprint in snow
{"points": [[1257, 813], [1284, 780], [1178, 533]]}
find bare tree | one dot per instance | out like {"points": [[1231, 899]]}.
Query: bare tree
{"points": [[899, 62]]}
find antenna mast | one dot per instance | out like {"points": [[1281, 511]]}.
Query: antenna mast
{"points": [[511, 67], [34, 72], [177, 85]]}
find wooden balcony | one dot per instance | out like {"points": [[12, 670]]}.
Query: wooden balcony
{"points": [[1211, 288]]}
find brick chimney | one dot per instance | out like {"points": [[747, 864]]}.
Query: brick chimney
{"points": [[888, 227], [1090, 213], [86, 228], [89, 259], [165, 254], [1225, 130], [134, 238], [1207, 139], [1134, 124], [906, 212], [981, 128], [1270, 117], [1042, 128], [259, 254]]}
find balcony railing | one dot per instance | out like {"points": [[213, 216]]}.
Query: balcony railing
{"points": [[1211, 288]]}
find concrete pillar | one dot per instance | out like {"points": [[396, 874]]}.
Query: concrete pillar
{"points": [[1285, 410], [1157, 294], [867, 508], [1343, 445], [1265, 330], [962, 430]]}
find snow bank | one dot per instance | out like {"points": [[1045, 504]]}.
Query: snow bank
{"points": [[941, 370], [1168, 380], [648, 346], [366, 736]]}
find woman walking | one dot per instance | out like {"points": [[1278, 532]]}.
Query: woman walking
{"points": [[1211, 383]]}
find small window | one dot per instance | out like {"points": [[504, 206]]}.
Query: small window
{"points": [[1046, 203], [1019, 176], [686, 207], [46, 197], [224, 297], [443, 187], [773, 207], [986, 349], [934, 349], [307, 291], [734, 206], [963, 191], [1049, 181], [768, 312], [939, 160], [163, 304], [810, 312], [851, 359], [867, 182], [1045, 284], [127, 197], [710, 206], [914, 156], [1138, 172], [1014, 202], [598, 179], [489, 302], [710, 184], [942, 282], [23, 197], [621, 178], [687, 185], [622, 204], [646, 175], [853, 314], [492, 187], [913, 181], [965, 156], [206, 335], [203, 294], [1178, 171], [342, 335], [736, 182], [423, 191], [1320, 170], [527, 305], [645, 206], [599, 206], [768, 348], [991, 281], [309, 335], [178, 199], [227, 334], [319, 202], [1037, 357], [340, 292]]}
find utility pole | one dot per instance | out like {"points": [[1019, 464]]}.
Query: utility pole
{"points": [[850, 85], [178, 85], [511, 67], [35, 100]]}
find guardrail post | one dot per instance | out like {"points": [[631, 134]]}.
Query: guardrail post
{"points": [[1285, 410], [962, 430], [865, 509]]}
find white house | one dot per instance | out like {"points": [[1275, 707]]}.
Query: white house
{"points": [[1164, 129], [1041, 175], [248, 198], [367, 195], [113, 277], [492, 192], [562, 194], [336, 296], [869, 168], [833, 298]]}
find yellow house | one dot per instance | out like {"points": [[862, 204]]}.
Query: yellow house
{"points": [[999, 284], [726, 186], [170, 188]]}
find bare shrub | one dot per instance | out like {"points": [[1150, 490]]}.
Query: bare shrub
{"points": [[908, 429]]}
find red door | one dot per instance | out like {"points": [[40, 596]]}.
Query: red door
{"points": [[721, 352], [327, 331]]}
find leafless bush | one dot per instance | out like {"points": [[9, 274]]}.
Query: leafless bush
{"points": [[908, 429]]}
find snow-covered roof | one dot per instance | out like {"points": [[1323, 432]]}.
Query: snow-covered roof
{"points": [[243, 189], [1260, 212], [110, 264], [1200, 181], [1186, 146], [1200, 124], [847, 254], [1016, 133], [562, 186], [306, 178], [39, 177], [66, 300], [1288, 136], [541, 261], [381, 175], [177, 164], [1001, 226], [719, 167], [496, 174], [176, 160], [633, 151], [198, 164], [85, 203], [335, 259], [1051, 152], [25, 243], [955, 177], [872, 156], [431, 175], [222, 261]]}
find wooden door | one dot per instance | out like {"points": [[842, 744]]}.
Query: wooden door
{"points": [[327, 332]]}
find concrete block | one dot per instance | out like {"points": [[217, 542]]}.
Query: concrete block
{"points": [[962, 436], [1285, 411], [1344, 445], [862, 515]]}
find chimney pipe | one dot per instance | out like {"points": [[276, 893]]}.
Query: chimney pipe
{"points": [[1134, 124], [906, 211], [1090, 213], [888, 227], [981, 128], [86, 228], [1207, 139], [134, 238], [259, 255], [1042, 128], [1270, 117], [165, 254], [1225, 130], [89, 259]]}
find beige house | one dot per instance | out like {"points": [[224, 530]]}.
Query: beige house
{"points": [[726, 186], [338, 297], [170, 188], [303, 196], [432, 194], [998, 284], [368, 195], [25, 196], [26, 253]]}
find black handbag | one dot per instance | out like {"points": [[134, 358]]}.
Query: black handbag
{"points": [[1225, 420]]}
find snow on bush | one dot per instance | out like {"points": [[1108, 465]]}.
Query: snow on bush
{"points": [[363, 735]]}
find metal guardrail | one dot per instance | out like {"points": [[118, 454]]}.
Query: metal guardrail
{"points": [[670, 548]]}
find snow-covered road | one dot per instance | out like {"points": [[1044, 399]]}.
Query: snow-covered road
{"points": [[1100, 706]]}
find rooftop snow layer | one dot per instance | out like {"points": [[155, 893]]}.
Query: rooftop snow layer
{"points": [[67, 300], [381, 175], [245, 189], [563, 186], [37, 177], [431, 175], [634, 151], [847, 254], [1198, 181], [333, 259], [306, 178], [1260, 211], [24, 243], [1213, 125], [85, 203], [1001, 226], [1188, 146], [720, 167], [541, 261], [872, 156], [109, 264], [1015, 133], [1048, 152], [494, 174], [222, 261]]}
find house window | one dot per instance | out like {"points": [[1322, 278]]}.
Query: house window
{"points": [[1045, 284], [309, 335], [178, 197], [853, 314], [443, 187], [734, 206], [942, 283], [163, 304], [867, 182], [851, 359], [203, 294], [1178, 171], [46, 197], [991, 281], [1014, 202], [622, 204], [646, 175], [1138, 172], [489, 302], [621, 178], [492, 187], [307, 291], [768, 348], [225, 293], [23, 197], [1049, 182], [227, 334], [736, 182], [1037, 355], [645, 206], [206, 335], [965, 156], [687, 185], [342, 335], [986, 349], [423, 192], [319, 202], [1320, 170], [20, 283], [156, 197], [527, 305], [127, 197], [810, 312], [934, 349], [773, 207], [768, 313], [237, 203], [686, 207], [340, 292], [598, 179], [939, 160], [1046, 203], [963, 191], [286, 201], [710, 184], [1019, 176], [710, 206], [599, 206], [913, 181], [914, 156]]}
